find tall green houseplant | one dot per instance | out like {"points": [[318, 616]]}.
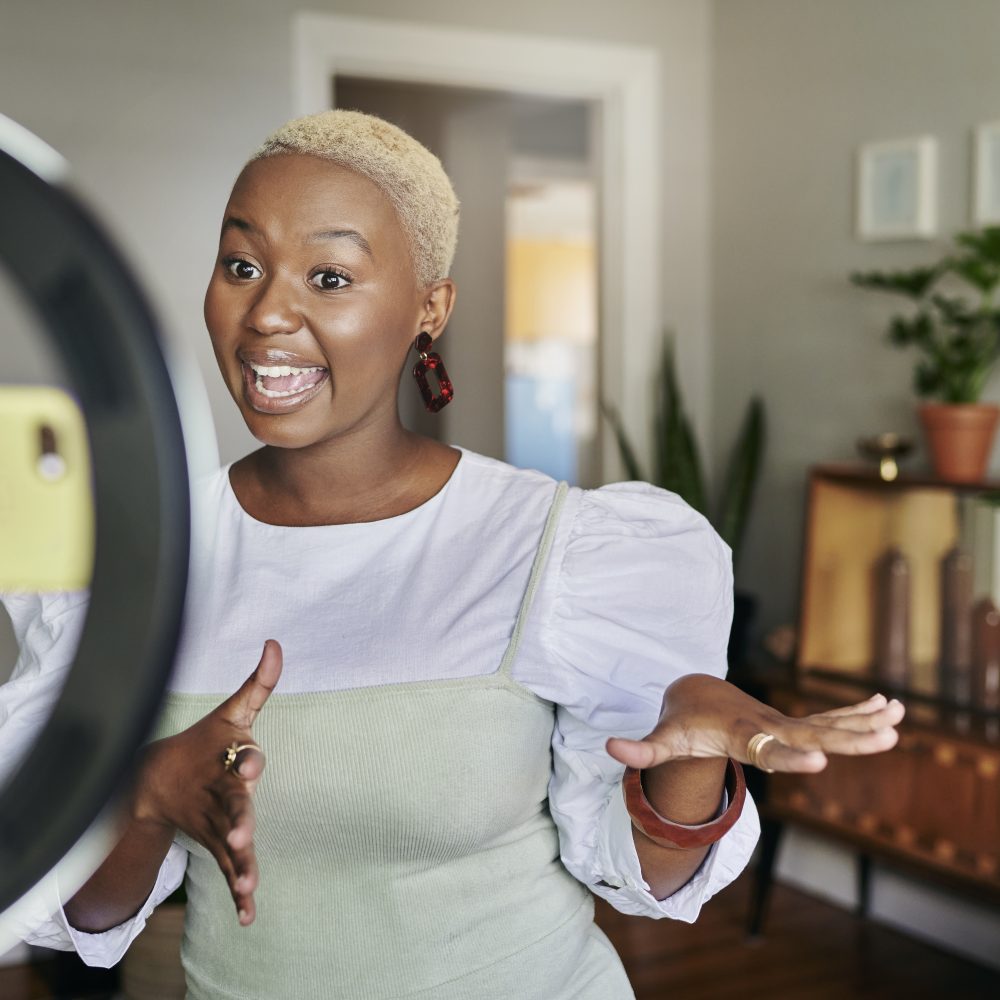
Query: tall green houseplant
{"points": [[677, 465]]}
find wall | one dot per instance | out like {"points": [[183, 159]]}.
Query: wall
{"points": [[787, 120], [158, 105], [797, 86]]}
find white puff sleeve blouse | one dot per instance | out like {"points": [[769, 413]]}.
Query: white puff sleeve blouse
{"points": [[637, 591], [643, 595]]}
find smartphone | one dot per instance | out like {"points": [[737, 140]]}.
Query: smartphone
{"points": [[46, 494]]}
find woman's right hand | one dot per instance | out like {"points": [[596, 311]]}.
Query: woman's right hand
{"points": [[183, 784]]}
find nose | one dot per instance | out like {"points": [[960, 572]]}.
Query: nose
{"points": [[274, 309]]}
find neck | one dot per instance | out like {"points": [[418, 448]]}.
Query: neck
{"points": [[365, 474]]}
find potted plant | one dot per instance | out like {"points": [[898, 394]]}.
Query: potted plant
{"points": [[677, 467], [955, 325]]}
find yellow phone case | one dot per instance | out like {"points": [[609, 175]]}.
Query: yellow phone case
{"points": [[46, 500]]}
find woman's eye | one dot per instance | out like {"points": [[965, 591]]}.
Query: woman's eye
{"points": [[241, 269], [329, 280]]}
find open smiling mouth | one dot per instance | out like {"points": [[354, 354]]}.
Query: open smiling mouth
{"points": [[280, 388]]}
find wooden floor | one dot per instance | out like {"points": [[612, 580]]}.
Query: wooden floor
{"points": [[811, 951]]}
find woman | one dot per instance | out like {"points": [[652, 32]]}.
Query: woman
{"points": [[466, 655]]}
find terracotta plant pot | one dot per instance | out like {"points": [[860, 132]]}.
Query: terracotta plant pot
{"points": [[959, 438]]}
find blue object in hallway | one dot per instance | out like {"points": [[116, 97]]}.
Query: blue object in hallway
{"points": [[539, 425]]}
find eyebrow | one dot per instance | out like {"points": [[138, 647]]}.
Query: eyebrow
{"points": [[342, 234], [235, 222]]}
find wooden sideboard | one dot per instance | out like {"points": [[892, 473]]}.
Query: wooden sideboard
{"points": [[932, 804]]}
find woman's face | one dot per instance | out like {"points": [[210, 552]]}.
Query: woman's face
{"points": [[314, 274]]}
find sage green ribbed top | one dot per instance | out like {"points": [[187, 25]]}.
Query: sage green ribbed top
{"points": [[405, 850]]}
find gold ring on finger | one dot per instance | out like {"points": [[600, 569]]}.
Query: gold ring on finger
{"points": [[231, 751], [756, 743]]}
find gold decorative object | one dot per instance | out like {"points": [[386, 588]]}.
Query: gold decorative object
{"points": [[886, 449], [987, 767]]}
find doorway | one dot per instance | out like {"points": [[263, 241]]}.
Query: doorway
{"points": [[621, 86], [523, 342]]}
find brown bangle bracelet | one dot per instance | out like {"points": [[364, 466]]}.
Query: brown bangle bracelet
{"points": [[667, 834]]}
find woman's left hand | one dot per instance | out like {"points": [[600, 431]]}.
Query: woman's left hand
{"points": [[704, 716]]}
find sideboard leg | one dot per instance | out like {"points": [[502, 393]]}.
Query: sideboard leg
{"points": [[864, 875], [770, 835]]}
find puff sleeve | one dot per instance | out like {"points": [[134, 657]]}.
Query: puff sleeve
{"points": [[638, 592], [47, 628]]}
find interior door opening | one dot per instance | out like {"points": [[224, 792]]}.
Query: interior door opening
{"points": [[523, 342]]}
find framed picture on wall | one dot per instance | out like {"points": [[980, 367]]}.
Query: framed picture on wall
{"points": [[897, 189], [986, 175]]}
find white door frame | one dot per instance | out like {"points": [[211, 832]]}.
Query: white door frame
{"points": [[625, 83]]}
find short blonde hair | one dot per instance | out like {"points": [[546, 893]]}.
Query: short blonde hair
{"points": [[408, 173]]}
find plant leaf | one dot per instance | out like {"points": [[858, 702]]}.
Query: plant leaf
{"points": [[678, 465], [982, 243], [983, 275], [906, 330], [665, 408], [625, 448], [741, 477], [914, 283], [689, 462], [955, 311], [927, 379]]}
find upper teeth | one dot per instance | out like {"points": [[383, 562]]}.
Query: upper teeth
{"points": [[275, 370]]}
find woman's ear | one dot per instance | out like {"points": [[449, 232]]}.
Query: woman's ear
{"points": [[438, 302]]}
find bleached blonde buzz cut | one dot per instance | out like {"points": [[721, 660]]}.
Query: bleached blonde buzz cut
{"points": [[408, 173]]}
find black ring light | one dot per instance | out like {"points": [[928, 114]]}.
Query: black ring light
{"points": [[102, 327]]}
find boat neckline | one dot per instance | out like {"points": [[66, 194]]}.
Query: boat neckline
{"points": [[429, 504]]}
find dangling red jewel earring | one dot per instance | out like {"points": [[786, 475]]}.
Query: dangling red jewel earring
{"points": [[431, 362]]}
